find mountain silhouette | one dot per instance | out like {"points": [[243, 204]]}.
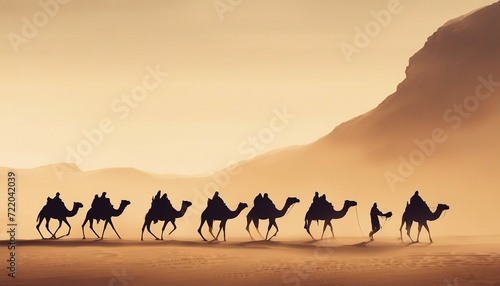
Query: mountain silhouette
{"points": [[353, 160]]}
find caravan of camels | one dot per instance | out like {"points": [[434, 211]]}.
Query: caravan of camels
{"points": [[264, 209]]}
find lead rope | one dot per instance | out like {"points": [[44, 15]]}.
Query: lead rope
{"points": [[290, 209], [386, 219], [359, 225]]}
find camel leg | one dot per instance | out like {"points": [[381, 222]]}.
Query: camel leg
{"points": [[400, 230], [222, 223], [104, 229], [69, 226], [247, 228], [224, 230], [54, 235], [408, 229], [113, 227], [175, 227], [324, 228], [331, 228], [199, 229], [67, 223], [47, 226], [38, 228], [91, 225], [269, 228], [428, 231], [148, 227], [83, 227], [419, 229], [142, 230], [163, 228], [211, 227], [256, 224], [307, 227], [277, 229], [147, 223]]}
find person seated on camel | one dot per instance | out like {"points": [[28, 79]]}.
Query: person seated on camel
{"points": [[165, 202], [157, 196], [57, 198], [257, 202], [316, 197], [56, 202], [105, 202], [217, 201], [267, 203], [323, 203], [95, 201], [164, 198], [322, 200], [416, 199]]}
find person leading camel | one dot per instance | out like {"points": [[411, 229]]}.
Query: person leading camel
{"points": [[374, 214]]}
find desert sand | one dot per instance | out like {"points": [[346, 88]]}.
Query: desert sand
{"points": [[342, 261], [437, 133]]}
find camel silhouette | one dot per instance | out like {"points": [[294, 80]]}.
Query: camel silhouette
{"points": [[256, 213], [167, 215], [220, 213], [326, 214], [99, 213], [61, 214], [421, 216]]}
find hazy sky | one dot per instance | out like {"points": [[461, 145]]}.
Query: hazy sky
{"points": [[230, 74]]}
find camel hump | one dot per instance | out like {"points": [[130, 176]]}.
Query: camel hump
{"points": [[419, 206], [217, 205], [161, 203], [264, 204], [319, 206], [55, 205]]}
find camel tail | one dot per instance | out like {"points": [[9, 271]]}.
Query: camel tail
{"points": [[38, 217]]}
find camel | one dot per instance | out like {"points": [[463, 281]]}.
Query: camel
{"points": [[255, 214], [61, 215], [167, 216], [420, 216], [327, 215], [105, 215], [210, 214]]}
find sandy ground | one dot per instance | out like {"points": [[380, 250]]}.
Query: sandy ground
{"points": [[344, 261]]}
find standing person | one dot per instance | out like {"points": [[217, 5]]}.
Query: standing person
{"points": [[374, 214]]}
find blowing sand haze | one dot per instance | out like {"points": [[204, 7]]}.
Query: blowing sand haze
{"points": [[235, 142]]}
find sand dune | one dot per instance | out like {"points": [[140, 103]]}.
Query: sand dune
{"points": [[352, 162], [346, 261]]}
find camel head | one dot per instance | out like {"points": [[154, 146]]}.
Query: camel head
{"points": [[125, 203], [349, 203], [443, 206], [242, 206], [77, 205], [186, 203], [292, 200]]}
